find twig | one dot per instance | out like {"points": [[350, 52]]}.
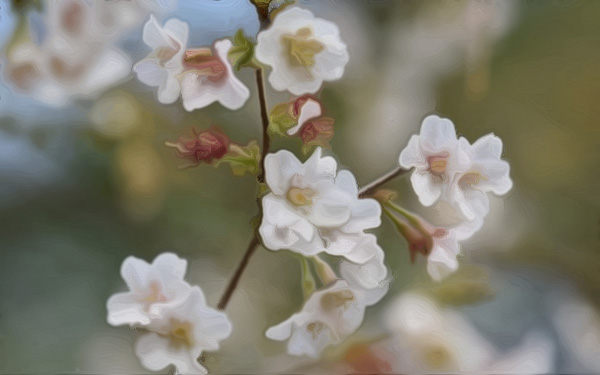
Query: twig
{"points": [[266, 141], [238, 273], [370, 187]]}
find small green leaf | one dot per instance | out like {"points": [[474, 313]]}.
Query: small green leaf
{"points": [[308, 280]]}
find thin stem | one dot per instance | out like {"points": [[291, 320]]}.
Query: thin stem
{"points": [[369, 189], [238, 273], [266, 140], [261, 178]]}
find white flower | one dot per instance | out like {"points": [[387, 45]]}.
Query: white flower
{"points": [[311, 210], [153, 288], [162, 67], [181, 335], [328, 317], [487, 173], [452, 170], [303, 51], [430, 340], [436, 157], [213, 80]]}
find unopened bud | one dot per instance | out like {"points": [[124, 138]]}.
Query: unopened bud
{"points": [[317, 133], [204, 147]]}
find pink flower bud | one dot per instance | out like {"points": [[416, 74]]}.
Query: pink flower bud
{"points": [[205, 146]]}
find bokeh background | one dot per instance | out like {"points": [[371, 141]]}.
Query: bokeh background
{"points": [[86, 184]]}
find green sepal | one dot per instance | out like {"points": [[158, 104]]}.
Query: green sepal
{"points": [[242, 51], [243, 159], [308, 280], [280, 120]]}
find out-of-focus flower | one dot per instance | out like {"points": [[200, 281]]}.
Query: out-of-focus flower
{"points": [[182, 333], [302, 50], [487, 173], [437, 158], [311, 210], [578, 326], [328, 317], [162, 67], [204, 147], [153, 288], [209, 79], [71, 53], [430, 340]]}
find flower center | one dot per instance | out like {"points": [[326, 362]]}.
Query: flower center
{"points": [[204, 63], [155, 295], [470, 179], [437, 164], [300, 197], [315, 328], [301, 48], [336, 300], [181, 333], [437, 357]]}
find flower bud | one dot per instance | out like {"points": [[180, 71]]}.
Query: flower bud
{"points": [[317, 133], [204, 147]]}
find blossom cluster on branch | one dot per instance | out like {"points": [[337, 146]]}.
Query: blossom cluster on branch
{"points": [[314, 208]]}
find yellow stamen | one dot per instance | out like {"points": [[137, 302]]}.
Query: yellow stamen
{"points": [[301, 48], [300, 197], [181, 333], [336, 300], [315, 328]]}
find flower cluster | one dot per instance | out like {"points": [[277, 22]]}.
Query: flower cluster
{"points": [[451, 171], [174, 314], [200, 76], [74, 55], [310, 208]]}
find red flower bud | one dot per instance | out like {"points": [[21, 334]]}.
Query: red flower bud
{"points": [[205, 146], [317, 132]]}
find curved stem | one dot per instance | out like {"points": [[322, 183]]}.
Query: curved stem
{"points": [[369, 189]]}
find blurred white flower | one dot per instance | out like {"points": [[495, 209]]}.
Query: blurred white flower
{"points": [[211, 79], [302, 50], [153, 288], [437, 158], [328, 317], [311, 210], [430, 340], [73, 55], [162, 67], [182, 333], [487, 173], [578, 326]]}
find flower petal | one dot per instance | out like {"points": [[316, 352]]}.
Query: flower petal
{"points": [[156, 352]]}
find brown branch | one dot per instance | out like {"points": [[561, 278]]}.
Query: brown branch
{"points": [[266, 141], [370, 188], [238, 272]]}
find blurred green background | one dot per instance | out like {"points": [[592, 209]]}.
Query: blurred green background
{"points": [[83, 187]]}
